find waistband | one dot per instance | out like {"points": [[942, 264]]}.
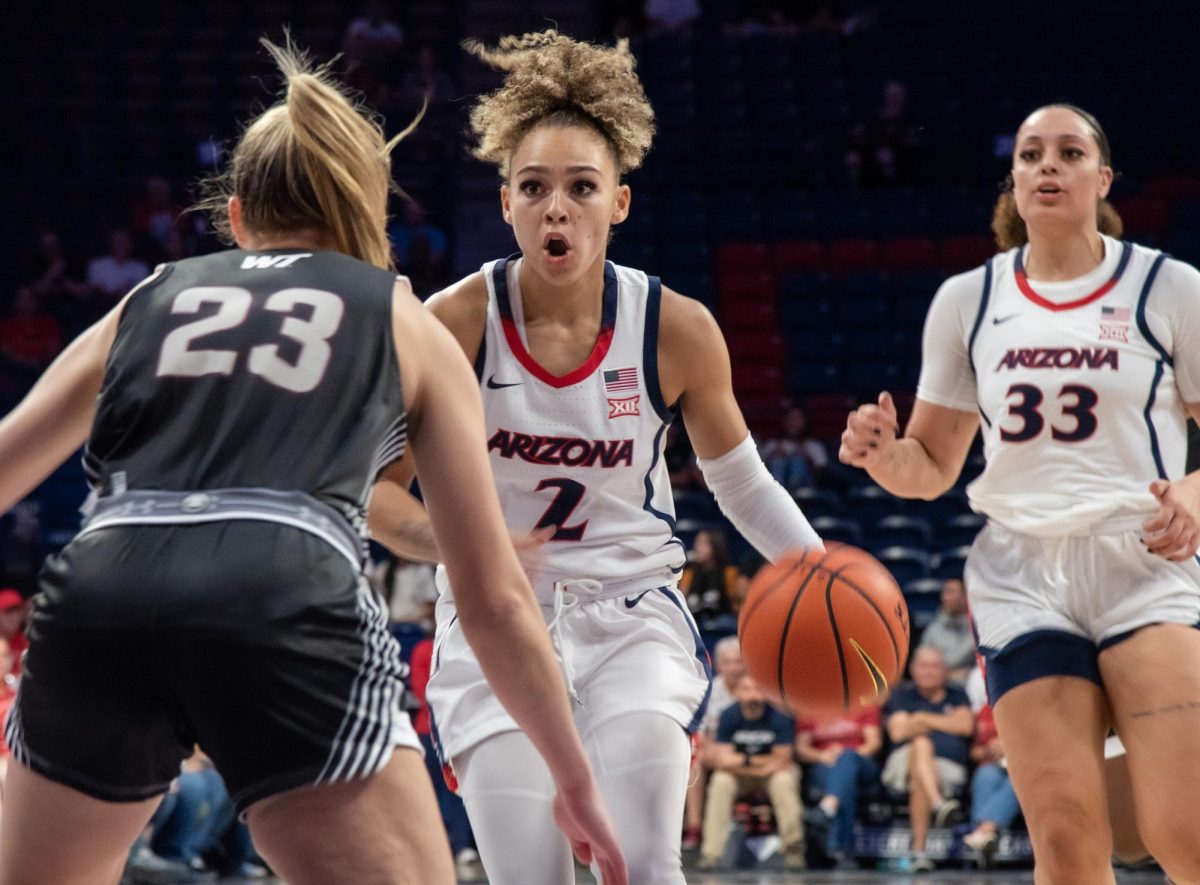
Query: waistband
{"points": [[296, 509], [1112, 525]]}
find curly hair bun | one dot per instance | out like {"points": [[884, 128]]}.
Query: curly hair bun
{"points": [[550, 77]]}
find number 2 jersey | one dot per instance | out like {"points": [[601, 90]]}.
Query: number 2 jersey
{"points": [[253, 370], [583, 452], [1080, 385]]}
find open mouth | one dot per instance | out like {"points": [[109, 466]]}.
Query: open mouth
{"points": [[556, 245], [1049, 189]]}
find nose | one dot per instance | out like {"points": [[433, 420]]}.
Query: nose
{"points": [[555, 213]]}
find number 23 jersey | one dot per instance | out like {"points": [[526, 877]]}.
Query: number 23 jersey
{"points": [[1079, 385], [583, 452], [273, 370]]}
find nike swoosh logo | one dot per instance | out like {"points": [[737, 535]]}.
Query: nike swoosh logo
{"points": [[493, 384], [631, 601], [998, 320]]}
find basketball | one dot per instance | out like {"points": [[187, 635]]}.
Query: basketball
{"points": [[825, 632]]}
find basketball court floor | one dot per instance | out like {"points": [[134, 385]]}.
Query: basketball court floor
{"points": [[862, 877]]}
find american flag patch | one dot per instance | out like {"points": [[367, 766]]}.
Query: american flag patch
{"points": [[616, 380], [1114, 314]]}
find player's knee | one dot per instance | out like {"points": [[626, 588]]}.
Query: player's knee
{"points": [[1066, 832], [1172, 839]]}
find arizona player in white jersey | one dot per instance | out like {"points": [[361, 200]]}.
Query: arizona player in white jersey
{"points": [[1079, 355], [583, 365]]}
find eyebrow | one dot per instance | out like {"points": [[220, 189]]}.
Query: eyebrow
{"points": [[1060, 136], [572, 170]]}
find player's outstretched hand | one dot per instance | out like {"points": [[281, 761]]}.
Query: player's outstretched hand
{"points": [[870, 431], [1174, 531], [579, 812]]}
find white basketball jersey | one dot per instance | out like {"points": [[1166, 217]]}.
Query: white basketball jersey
{"points": [[1078, 399], [583, 451]]}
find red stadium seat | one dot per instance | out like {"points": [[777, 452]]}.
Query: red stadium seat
{"points": [[1145, 216], [847, 255], [793, 255], [757, 317], [908, 253], [956, 254], [735, 287], [742, 256]]}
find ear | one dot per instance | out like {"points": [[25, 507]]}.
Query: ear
{"points": [[234, 207], [621, 204], [505, 204], [1106, 180]]}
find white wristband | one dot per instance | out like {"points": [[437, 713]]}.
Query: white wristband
{"points": [[758, 506]]}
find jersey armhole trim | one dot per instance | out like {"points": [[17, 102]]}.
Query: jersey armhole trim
{"points": [[650, 349], [983, 303], [1142, 324]]}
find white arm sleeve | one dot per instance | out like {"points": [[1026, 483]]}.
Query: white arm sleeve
{"points": [[756, 504], [946, 375]]}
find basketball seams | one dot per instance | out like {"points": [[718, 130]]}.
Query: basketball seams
{"points": [[837, 639], [787, 624], [871, 602]]}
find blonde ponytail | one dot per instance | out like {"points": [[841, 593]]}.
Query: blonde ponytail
{"points": [[315, 161]]}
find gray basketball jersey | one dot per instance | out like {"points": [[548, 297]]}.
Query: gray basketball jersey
{"points": [[272, 370]]}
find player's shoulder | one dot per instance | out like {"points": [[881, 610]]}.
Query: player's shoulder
{"points": [[685, 321], [462, 304], [970, 284], [1178, 276]]}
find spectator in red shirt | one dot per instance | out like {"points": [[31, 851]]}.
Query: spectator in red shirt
{"points": [[13, 612], [842, 754], [29, 336]]}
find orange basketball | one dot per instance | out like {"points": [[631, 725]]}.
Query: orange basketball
{"points": [[825, 632]]}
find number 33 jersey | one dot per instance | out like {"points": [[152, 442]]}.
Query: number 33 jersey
{"points": [[271, 370], [1080, 385], [582, 453]]}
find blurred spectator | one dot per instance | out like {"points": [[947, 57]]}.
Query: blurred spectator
{"points": [[880, 149], [51, 275], [841, 753], [950, 631], [795, 459], [994, 804], [710, 583], [427, 81], [14, 612], [420, 248], [114, 274], [195, 831], [975, 688], [373, 38], [753, 753], [931, 725], [727, 659], [665, 16], [29, 336], [454, 813], [408, 589], [155, 214]]}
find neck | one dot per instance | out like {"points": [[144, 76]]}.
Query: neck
{"points": [[297, 240], [543, 301], [1054, 257]]}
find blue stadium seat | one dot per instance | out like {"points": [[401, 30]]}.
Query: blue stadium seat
{"points": [[905, 563], [900, 531], [816, 503], [923, 597], [949, 563], [942, 508], [834, 528], [870, 503], [960, 530]]}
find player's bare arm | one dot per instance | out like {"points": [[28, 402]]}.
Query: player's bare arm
{"points": [[462, 308], [56, 415], [925, 462], [1174, 531]]}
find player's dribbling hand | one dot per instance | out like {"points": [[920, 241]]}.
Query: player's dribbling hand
{"points": [[1174, 531], [580, 814], [529, 549], [870, 432]]}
